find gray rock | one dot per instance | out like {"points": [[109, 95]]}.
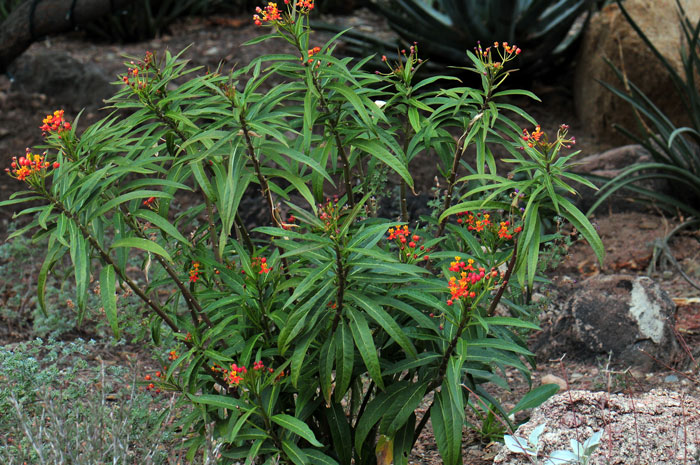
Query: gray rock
{"points": [[619, 314], [609, 164], [657, 428], [67, 83]]}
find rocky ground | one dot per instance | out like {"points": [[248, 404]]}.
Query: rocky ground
{"points": [[45, 78]]}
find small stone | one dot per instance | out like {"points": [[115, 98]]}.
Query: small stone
{"points": [[552, 379], [671, 379]]}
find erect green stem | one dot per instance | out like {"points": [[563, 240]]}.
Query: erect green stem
{"points": [[453, 343], [264, 186], [196, 310], [365, 400], [506, 277], [333, 128], [341, 272], [459, 150], [168, 121], [108, 259], [437, 381], [266, 320], [212, 229], [402, 186], [346, 165], [270, 430], [243, 231]]}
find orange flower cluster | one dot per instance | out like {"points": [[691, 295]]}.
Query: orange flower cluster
{"points": [[330, 215], [539, 138], [261, 263], [469, 277], [305, 5], [474, 222], [505, 233], [194, 272], [55, 123], [269, 14], [504, 53], [133, 78], [29, 165], [484, 223], [152, 386], [310, 53], [172, 355], [408, 244], [533, 138], [235, 375], [509, 49]]}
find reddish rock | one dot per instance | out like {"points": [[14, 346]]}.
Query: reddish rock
{"points": [[609, 36]]}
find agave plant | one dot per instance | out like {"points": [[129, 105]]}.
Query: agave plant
{"points": [[547, 29], [675, 151]]}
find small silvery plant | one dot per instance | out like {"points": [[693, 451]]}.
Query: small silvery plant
{"points": [[580, 454]]}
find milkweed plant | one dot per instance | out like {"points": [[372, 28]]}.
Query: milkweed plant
{"points": [[329, 334]]}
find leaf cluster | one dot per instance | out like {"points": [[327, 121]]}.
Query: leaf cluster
{"points": [[316, 337]]}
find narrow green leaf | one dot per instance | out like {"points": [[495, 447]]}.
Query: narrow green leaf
{"points": [[296, 455], [219, 401], [109, 297], [585, 227], [414, 118], [340, 432], [378, 151], [325, 368], [297, 427], [448, 431], [144, 244], [535, 397], [499, 344], [163, 224], [54, 253], [344, 360], [319, 458], [383, 319], [365, 344]]}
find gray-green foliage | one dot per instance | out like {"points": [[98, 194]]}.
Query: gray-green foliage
{"points": [[580, 454], [27, 369], [57, 408]]}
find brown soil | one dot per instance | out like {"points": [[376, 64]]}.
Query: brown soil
{"points": [[628, 236]]}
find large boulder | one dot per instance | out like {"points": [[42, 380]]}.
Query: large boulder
{"points": [[65, 81], [628, 316], [657, 428], [609, 36]]}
